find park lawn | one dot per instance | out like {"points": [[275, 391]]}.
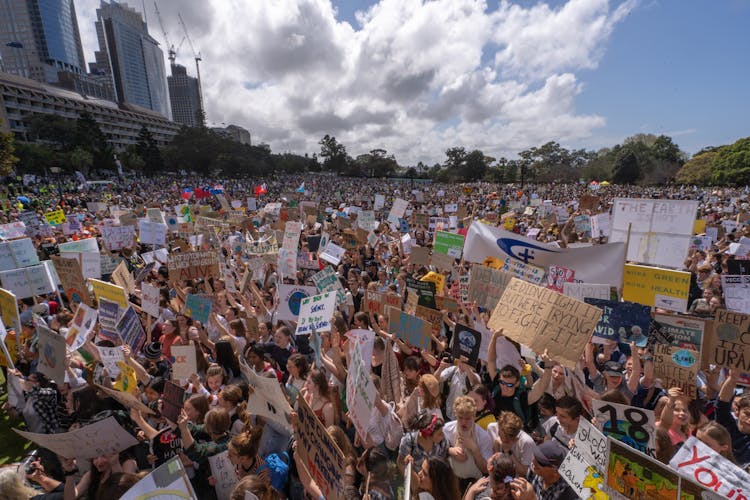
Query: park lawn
{"points": [[12, 446]]}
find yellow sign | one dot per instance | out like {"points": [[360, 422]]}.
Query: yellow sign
{"points": [[108, 291], [699, 226], [436, 278], [56, 218], [9, 309], [510, 223], [656, 287]]}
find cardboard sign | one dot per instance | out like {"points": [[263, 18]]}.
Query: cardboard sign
{"points": [[316, 313], [379, 303], [360, 390], [319, 453], [267, 398], [51, 353], [466, 344], [677, 367], [109, 291], [184, 362], [487, 286], [71, 276], [543, 319], [420, 256], [172, 400], [697, 462], [192, 265], [660, 230], [656, 287], [635, 427], [98, 439], [729, 345], [17, 253], [621, 322], [150, 297], [410, 328], [198, 307], [122, 277]]}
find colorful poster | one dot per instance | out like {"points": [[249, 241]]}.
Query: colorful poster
{"points": [[290, 299], [51, 353], [466, 344], [699, 463], [198, 307], [557, 276], [410, 329], [636, 476], [130, 329], [656, 287], [635, 427], [448, 244], [169, 479], [621, 322], [83, 322]]}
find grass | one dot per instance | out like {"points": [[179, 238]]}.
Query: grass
{"points": [[12, 446]]}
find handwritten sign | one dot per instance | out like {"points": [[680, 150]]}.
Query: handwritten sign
{"points": [[198, 307], [118, 237], [487, 286], [192, 265], [729, 346], [636, 427], [677, 367], [51, 354], [582, 291], [378, 303], [224, 474], [267, 399], [544, 319], [184, 362], [410, 328], [17, 253], [558, 276], [360, 390], [150, 299], [701, 464], [316, 313]]}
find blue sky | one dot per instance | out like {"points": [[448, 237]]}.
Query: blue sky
{"points": [[416, 77]]}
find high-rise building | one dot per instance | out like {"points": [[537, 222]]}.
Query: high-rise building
{"points": [[40, 38], [132, 57], [184, 95]]}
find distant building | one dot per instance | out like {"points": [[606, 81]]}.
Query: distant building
{"points": [[131, 57], [234, 132], [185, 97], [20, 98], [39, 38]]}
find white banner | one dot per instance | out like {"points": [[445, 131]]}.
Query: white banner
{"points": [[152, 233], [700, 464], [594, 264], [736, 288], [360, 390]]}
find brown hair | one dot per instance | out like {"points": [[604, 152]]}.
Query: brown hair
{"points": [[721, 435], [246, 443], [256, 486], [200, 403], [217, 422], [509, 423]]}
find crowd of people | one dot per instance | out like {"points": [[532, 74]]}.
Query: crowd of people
{"points": [[499, 428]]}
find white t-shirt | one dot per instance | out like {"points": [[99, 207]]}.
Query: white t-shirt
{"points": [[523, 448], [484, 441]]}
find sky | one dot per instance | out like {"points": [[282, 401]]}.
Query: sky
{"points": [[417, 77]]}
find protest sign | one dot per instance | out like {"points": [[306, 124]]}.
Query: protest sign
{"points": [[432, 316], [319, 453], [56, 217], [660, 230], [122, 277], [585, 464], [332, 253], [267, 398], [677, 367], [466, 344], [152, 233], [95, 440], [601, 226], [360, 390], [13, 230], [697, 462], [51, 353], [86, 245], [409, 328], [487, 286], [83, 322], [9, 309], [287, 263], [621, 322], [224, 473], [583, 225], [110, 356], [150, 299], [729, 344], [543, 319], [292, 232], [172, 399], [118, 237], [437, 279], [290, 299], [634, 475], [109, 291], [425, 290], [198, 307], [29, 281], [582, 291], [170, 478], [557, 276], [526, 272], [124, 398], [316, 313], [184, 362], [656, 287], [420, 256], [160, 256], [397, 211], [327, 280], [736, 290], [448, 244], [130, 329], [593, 264], [192, 265], [686, 333], [442, 262], [17, 253], [71, 277], [636, 427], [378, 303]]}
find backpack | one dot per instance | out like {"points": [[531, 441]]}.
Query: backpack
{"points": [[278, 466]]}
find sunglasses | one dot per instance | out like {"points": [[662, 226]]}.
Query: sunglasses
{"points": [[507, 384]]}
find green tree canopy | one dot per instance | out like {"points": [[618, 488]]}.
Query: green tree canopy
{"points": [[732, 163]]}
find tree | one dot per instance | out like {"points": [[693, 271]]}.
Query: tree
{"points": [[377, 163], [7, 158], [90, 137], [334, 154], [56, 130], [626, 169], [698, 170], [148, 150], [80, 159], [732, 163]]}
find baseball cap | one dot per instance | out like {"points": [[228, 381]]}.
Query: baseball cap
{"points": [[550, 454], [613, 368]]}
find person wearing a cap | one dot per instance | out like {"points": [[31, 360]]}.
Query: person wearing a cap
{"points": [[612, 376], [544, 481]]}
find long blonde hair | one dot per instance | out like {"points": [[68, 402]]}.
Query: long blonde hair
{"points": [[13, 487]]}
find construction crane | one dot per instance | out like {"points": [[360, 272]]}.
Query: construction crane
{"points": [[172, 53], [197, 57]]}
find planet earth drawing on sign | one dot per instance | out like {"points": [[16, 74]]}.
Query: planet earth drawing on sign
{"points": [[295, 300], [727, 332]]}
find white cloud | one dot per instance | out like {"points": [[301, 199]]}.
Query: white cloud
{"points": [[412, 77]]}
